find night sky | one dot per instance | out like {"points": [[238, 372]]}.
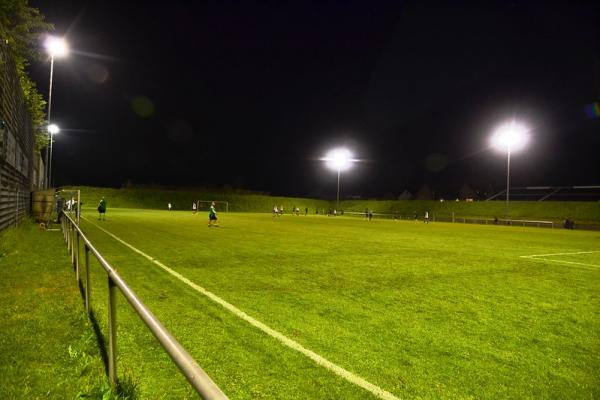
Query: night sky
{"points": [[252, 94]]}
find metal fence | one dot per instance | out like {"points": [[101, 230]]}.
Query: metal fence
{"points": [[195, 375], [433, 217]]}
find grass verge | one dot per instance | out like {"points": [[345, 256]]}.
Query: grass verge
{"points": [[48, 349]]}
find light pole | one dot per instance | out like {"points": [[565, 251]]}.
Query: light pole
{"points": [[52, 130], [56, 47], [339, 160], [509, 137]]}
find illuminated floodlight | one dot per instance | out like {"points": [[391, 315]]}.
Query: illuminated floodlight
{"points": [[339, 159], [53, 129], [510, 137], [56, 47]]}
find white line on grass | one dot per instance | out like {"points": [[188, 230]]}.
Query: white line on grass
{"points": [[559, 254], [542, 257], [567, 262], [349, 376]]}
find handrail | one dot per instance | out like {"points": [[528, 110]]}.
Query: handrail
{"points": [[195, 375]]}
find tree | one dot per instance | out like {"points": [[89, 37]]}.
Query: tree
{"points": [[20, 28], [425, 193], [406, 195]]}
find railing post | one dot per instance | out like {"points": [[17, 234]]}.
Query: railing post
{"points": [[73, 232], [112, 331], [87, 279], [67, 233], [69, 236], [77, 255]]}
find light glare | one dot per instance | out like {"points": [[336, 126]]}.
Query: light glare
{"points": [[339, 159], [56, 47], [510, 137], [53, 129]]}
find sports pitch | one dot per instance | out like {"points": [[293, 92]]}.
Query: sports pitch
{"points": [[432, 311]]}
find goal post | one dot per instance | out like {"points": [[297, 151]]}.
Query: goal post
{"points": [[220, 205]]}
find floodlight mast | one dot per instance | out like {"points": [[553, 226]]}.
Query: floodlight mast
{"points": [[339, 159], [52, 130], [509, 137], [56, 47]]}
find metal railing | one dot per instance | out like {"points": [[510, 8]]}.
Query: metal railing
{"points": [[195, 375]]}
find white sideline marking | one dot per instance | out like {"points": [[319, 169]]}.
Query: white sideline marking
{"points": [[559, 254], [567, 262], [349, 376], [542, 257]]}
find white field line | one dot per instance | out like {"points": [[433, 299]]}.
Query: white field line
{"points": [[560, 254], [567, 262], [349, 376], [542, 257]]}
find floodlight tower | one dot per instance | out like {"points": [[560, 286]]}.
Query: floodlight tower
{"points": [[339, 160], [509, 137], [56, 47], [52, 130]]}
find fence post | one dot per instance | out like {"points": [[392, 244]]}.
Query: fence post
{"points": [[112, 331], [77, 255], [87, 279], [68, 236], [72, 245]]}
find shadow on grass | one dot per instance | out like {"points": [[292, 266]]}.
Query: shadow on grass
{"points": [[126, 388], [100, 341]]}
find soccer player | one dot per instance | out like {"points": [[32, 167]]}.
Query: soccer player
{"points": [[102, 209], [426, 219], [194, 207], [212, 215], [169, 206]]}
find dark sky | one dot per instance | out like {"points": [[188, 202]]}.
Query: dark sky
{"points": [[253, 93]]}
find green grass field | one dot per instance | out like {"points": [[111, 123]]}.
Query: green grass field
{"points": [[431, 311]]}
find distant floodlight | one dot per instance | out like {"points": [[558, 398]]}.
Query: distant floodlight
{"points": [[510, 137], [56, 47], [339, 159], [53, 129]]}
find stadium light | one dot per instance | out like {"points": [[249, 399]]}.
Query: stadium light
{"points": [[510, 137], [56, 47], [339, 160], [53, 129]]}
